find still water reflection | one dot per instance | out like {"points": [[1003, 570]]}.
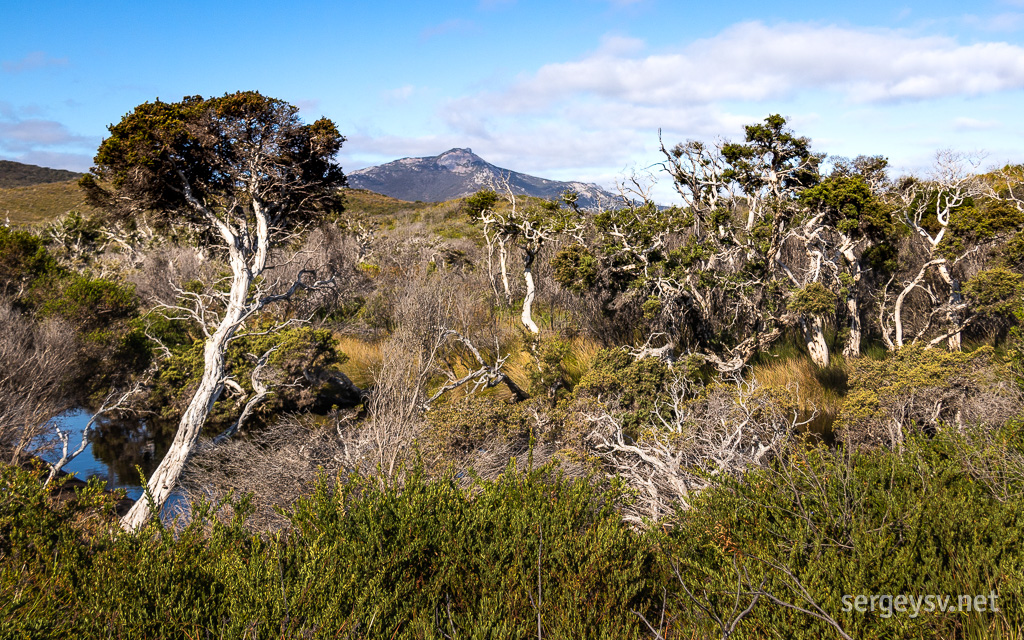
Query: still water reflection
{"points": [[115, 450]]}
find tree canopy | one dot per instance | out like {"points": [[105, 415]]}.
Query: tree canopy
{"points": [[231, 155]]}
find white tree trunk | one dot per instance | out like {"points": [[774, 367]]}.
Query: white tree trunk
{"points": [[955, 298], [852, 347], [814, 336], [503, 260], [531, 293], [165, 478]]}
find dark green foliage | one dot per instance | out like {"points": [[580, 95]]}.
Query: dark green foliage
{"points": [[979, 222], [24, 262], [813, 299], [425, 558], [300, 353], [104, 314], [996, 292], [161, 150], [363, 560], [857, 211], [100, 311], [771, 145], [881, 523], [637, 384], [480, 202], [550, 378], [575, 268], [92, 304], [853, 207], [1013, 252]]}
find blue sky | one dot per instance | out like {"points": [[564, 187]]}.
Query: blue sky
{"points": [[568, 90]]}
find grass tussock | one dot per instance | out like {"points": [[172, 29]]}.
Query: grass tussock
{"points": [[363, 357], [813, 388]]}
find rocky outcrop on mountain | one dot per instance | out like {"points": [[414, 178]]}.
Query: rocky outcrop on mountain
{"points": [[457, 173]]}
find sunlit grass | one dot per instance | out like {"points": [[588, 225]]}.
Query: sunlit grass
{"points": [[363, 356], [41, 203], [814, 388]]}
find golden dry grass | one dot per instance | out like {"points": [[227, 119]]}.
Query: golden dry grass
{"points": [[582, 352], [42, 203], [363, 356], [814, 388]]}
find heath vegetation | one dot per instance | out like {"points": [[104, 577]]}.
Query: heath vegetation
{"points": [[500, 416]]}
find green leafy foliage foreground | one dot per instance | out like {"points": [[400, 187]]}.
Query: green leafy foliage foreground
{"points": [[430, 559]]}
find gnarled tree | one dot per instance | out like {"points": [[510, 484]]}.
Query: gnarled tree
{"points": [[745, 241], [241, 172], [526, 227]]}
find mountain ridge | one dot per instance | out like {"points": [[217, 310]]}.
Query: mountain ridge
{"points": [[459, 172], [20, 174]]}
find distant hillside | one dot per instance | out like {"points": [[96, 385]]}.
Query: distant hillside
{"points": [[16, 174], [457, 173], [41, 203]]}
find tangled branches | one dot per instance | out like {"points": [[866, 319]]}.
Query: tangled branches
{"points": [[698, 433]]}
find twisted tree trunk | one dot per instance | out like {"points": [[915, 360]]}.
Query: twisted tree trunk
{"points": [[160, 485], [531, 292]]}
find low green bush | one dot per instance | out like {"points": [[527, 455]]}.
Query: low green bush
{"points": [[424, 558], [879, 523]]}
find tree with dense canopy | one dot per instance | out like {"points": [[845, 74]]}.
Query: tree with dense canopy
{"points": [[241, 172]]}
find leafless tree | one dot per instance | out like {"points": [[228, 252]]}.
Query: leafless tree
{"points": [[115, 401], [527, 228], [952, 183], [37, 364], [275, 465], [694, 435]]}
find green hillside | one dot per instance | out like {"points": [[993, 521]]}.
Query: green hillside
{"points": [[35, 204]]}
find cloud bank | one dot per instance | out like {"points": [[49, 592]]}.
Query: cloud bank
{"points": [[604, 109], [755, 62]]}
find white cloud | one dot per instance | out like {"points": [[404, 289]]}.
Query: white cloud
{"points": [[399, 94], [55, 160], [753, 62], [47, 143], [23, 135], [309, 106], [853, 90]]}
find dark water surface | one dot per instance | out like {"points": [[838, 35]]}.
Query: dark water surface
{"points": [[113, 454]]}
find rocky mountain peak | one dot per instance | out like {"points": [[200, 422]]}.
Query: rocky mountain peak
{"points": [[459, 160], [457, 173]]}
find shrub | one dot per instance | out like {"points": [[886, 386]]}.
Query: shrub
{"points": [[865, 523], [24, 261], [919, 388]]}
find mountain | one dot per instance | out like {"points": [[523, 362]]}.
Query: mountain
{"points": [[16, 174], [460, 172]]}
